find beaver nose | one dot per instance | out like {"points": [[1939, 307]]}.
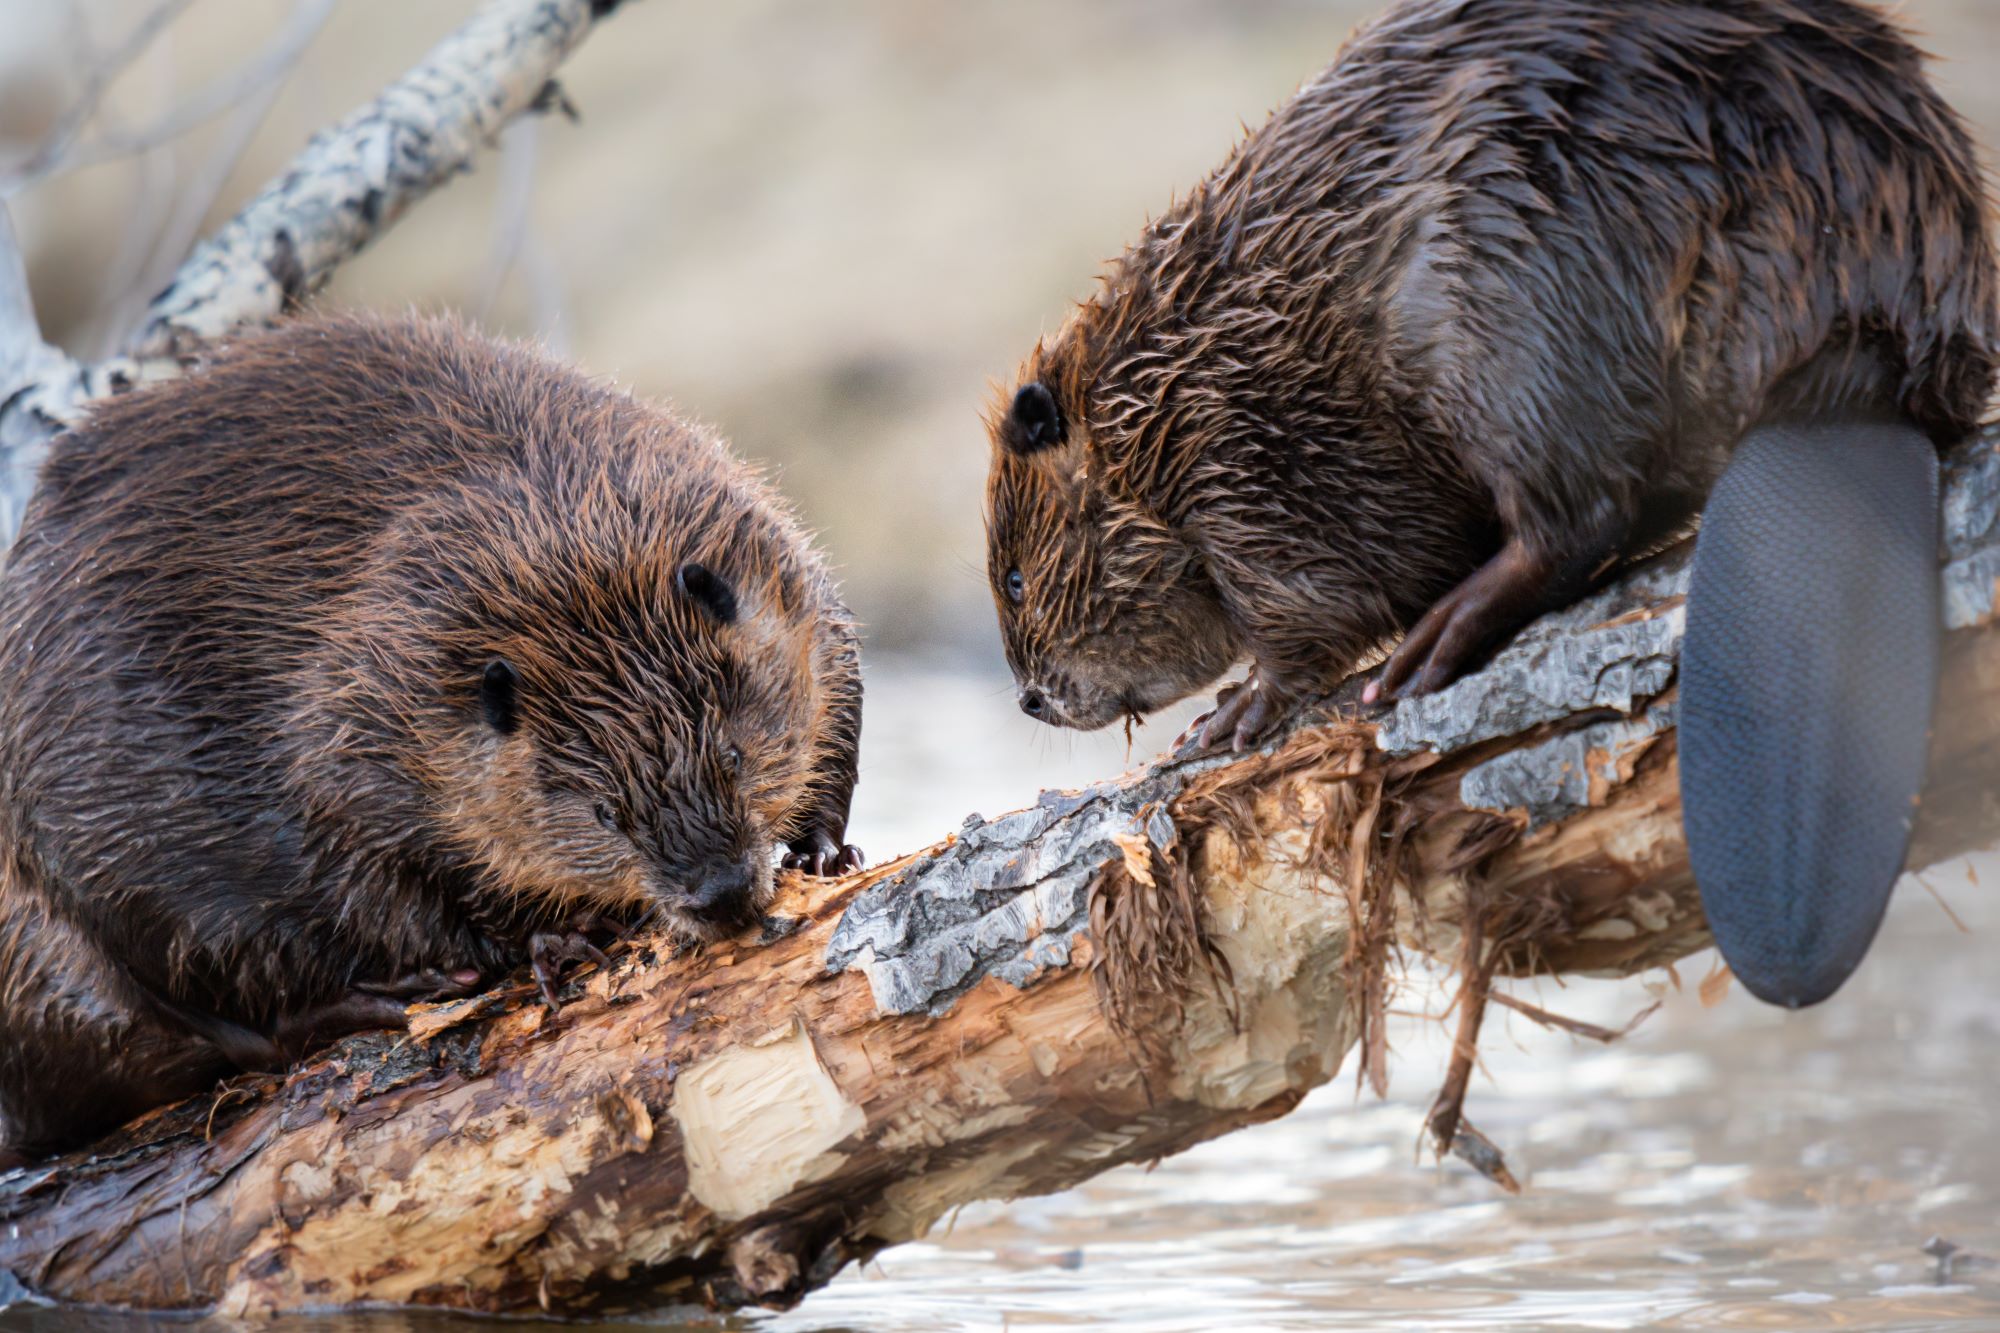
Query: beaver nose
{"points": [[722, 893], [1032, 703]]}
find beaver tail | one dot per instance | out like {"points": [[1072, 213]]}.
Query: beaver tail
{"points": [[1808, 678]]}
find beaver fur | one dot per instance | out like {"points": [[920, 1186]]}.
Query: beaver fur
{"points": [[362, 661], [1482, 308]]}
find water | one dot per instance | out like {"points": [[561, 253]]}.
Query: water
{"points": [[1725, 1167]]}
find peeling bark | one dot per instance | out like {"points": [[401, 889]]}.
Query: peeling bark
{"points": [[1109, 976]]}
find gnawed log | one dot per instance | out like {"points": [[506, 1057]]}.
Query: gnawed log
{"points": [[1107, 977]]}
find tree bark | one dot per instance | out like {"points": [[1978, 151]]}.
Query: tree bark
{"points": [[1106, 977]]}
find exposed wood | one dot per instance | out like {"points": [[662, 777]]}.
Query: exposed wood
{"points": [[734, 1125]]}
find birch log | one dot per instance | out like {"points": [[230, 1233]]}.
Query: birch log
{"points": [[1106, 977]]}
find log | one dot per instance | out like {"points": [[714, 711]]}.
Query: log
{"points": [[1108, 976]]}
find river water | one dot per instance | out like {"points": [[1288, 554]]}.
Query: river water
{"points": [[1726, 1166]]}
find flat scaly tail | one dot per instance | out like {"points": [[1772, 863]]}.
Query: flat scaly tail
{"points": [[1808, 678]]}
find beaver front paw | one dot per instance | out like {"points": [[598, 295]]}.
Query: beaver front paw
{"points": [[550, 950], [1244, 715], [820, 853]]}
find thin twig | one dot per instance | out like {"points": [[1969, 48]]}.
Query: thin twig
{"points": [[1937, 897], [260, 74], [178, 233], [519, 145], [353, 181], [104, 71], [1575, 1026]]}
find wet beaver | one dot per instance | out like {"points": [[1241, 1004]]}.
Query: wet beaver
{"points": [[1493, 302], [357, 664]]}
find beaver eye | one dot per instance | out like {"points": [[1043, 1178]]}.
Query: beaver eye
{"points": [[604, 816], [498, 685], [1016, 585], [733, 757]]}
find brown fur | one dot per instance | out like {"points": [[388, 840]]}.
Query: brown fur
{"points": [[1506, 283], [249, 771]]}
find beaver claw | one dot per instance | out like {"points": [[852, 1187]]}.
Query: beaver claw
{"points": [[820, 853], [549, 950], [1243, 715]]}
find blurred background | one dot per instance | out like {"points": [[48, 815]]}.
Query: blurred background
{"points": [[827, 228]]}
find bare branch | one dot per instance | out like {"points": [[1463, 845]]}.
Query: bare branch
{"points": [[176, 233], [511, 214], [103, 71], [345, 189], [356, 179], [257, 77], [39, 385]]}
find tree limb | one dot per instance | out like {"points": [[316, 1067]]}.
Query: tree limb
{"points": [[1107, 977], [355, 180], [348, 186], [41, 387]]}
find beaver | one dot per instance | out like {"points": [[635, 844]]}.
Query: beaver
{"points": [[1488, 308], [362, 662]]}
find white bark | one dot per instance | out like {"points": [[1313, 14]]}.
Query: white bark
{"points": [[41, 387]]}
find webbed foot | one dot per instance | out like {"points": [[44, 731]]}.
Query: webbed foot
{"points": [[427, 983], [356, 1011]]}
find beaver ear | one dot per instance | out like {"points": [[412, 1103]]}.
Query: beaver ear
{"points": [[711, 592], [1034, 422], [497, 686]]}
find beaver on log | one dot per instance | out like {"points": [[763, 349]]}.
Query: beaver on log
{"points": [[1492, 304], [369, 661]]}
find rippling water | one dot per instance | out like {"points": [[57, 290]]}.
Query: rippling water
{"points": [[1725, 1167]]}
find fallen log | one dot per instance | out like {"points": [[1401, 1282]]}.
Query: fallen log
{"points": [[1106, 977]]}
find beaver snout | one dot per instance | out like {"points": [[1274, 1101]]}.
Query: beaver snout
{"points": [[723, 895], [1069, 703]]}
